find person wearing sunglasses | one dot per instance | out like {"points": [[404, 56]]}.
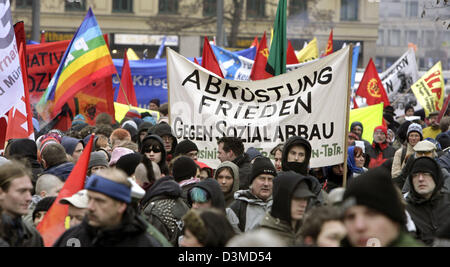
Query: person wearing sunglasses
{"points": [[153, 148]]}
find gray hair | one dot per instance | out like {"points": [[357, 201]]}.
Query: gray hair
{"points": [[46, 183]]}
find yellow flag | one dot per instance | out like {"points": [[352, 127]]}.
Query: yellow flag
{"points": [[132, 55], [310, 52], [370, 117], [121, 111], [429, 90]]}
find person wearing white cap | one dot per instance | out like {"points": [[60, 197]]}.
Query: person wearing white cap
{"points": [[78, 204]]}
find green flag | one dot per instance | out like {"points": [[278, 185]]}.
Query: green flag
{"points": [[276, 64]]}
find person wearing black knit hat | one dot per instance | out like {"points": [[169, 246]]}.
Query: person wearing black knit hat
{"points": [[373, 212], [427, 201], [250, 205], [41, 209], [186, 148], [184, 172], [129, 162]]}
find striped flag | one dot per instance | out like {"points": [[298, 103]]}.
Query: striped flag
{"points": [[86, 60]]}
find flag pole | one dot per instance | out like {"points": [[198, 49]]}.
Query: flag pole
{"points": [[123, 90], [347, 117]]}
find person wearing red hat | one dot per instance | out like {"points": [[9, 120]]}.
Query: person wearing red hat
{"points": [[380, 151]]}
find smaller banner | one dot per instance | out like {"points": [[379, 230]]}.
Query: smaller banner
{"points": [[370, 117]]}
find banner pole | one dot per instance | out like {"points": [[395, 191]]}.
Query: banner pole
{"points": [[347, 116], [168, 85]]}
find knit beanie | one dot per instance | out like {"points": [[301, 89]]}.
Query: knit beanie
{"points": [[415, 127], [78, 119], [117, 153], [97, 159], [129, 162], [185, 147], [70, 143], [262, 165], [43, 205], [253, 153], [131, 123], [443, 139], [426, 164], [374, 189], [382, 128], [184, 168]]}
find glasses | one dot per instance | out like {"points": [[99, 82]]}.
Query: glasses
{"points": [[150, 149]]}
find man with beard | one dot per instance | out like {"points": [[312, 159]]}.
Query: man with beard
{"points": [[433, 128]]}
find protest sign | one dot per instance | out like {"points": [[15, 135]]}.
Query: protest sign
{"points": [[370, 117], [429, 90], [311, 102]]}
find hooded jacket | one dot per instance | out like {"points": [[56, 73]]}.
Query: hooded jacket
{"points": [[301, 168], [131, 232], [213, 188], [162, 164], [429, 215], [26, 148], [333, 180], [247, 211], [165, 129], [70, 143], [245, 169], [144, 127], [17, 233], [357, 123], [62, 171], [229, 196], [163, 207], [278, 220]]}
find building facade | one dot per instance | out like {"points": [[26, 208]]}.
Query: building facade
{"points": [[404, 22], [142, 24]]}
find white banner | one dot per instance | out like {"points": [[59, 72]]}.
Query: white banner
{"points": [[11, 84], [310, 102], [398, 78]]}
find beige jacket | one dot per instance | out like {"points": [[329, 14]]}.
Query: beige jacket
{"points": [[397, 166]]}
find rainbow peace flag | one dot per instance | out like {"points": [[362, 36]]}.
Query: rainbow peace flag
{"points": [[86, 60]]}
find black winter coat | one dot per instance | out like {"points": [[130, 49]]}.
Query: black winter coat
{"points": [[132, 232], [17, 233], [429, 215], [245, 169]]}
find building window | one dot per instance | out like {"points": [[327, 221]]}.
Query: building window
{"points": [[428, 39], [168, 6], [24, 3], [75, 5], [411, 37], [122, 6], [298, 9], [349, 10], [256, 8], [412, 9], [380, 40], [209, 8], [394, 38]]}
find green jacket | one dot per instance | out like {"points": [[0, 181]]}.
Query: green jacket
{"points": [[282, 229]]}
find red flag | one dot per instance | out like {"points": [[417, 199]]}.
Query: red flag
{"points": [[209, 60], [52, 226], [291, 58], [444, 109], [371, 87], [20, 117], [259, 66], [329, 45], [127, 90], [255, 42], [42, 37]]}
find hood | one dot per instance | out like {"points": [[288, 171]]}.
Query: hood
{"points": [[229, 197], [297, 167], [247, 196], [165, 129], [437, 177], [26, 148], [351, 163], [357, 123], [213, 188], [166, 186], [70, 143], [161, 143], [283, 188], [62, 171]]}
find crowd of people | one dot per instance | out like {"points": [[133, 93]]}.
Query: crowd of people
{"points": [[146, 188]]}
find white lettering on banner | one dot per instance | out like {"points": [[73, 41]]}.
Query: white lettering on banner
{"points": [[310, 102], [11, 84]]}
